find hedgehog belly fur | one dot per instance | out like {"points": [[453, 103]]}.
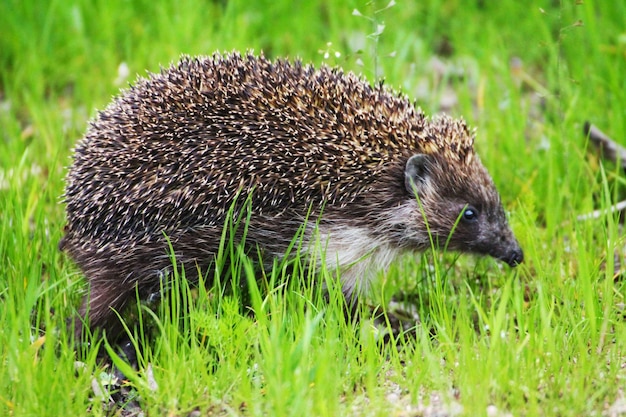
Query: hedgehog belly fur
{"points": [[353, 253]]}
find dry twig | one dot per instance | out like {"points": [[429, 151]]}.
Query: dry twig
{"points": [[609, 149]]}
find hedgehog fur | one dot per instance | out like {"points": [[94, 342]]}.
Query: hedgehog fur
{"points": [[171, 155]]}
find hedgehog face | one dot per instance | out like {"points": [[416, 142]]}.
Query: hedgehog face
{"points": [[460, 207]]}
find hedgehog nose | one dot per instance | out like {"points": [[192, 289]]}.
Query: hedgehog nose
{"points": [[516, 257]]}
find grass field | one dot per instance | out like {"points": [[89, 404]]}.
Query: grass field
{"points": [[545, 339]]}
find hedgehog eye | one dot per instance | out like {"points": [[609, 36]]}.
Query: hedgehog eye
{"points": [[470, 214]]}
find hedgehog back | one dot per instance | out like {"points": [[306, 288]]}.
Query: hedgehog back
{"points": [[172, 151]]}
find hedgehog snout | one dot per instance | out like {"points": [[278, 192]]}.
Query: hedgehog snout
{"points": [[515, 258], [510, 253]]}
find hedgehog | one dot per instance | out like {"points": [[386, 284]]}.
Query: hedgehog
{"points": [[355, 166]]}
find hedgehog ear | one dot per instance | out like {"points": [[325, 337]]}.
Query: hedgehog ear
{"points": [[416, 172]]}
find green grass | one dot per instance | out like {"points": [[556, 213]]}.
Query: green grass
{"points": [[545, 339]]}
